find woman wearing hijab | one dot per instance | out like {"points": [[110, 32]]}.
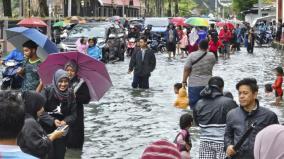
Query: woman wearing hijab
{"points": [[33, 139], [81, 91], [61, 109], [269, 143]]}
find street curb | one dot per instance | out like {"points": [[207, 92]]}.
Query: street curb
{"points": [[278, 45]]}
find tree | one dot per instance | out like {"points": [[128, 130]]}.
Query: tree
{"points": [[176, 8], [7, 8], [240, 5], [39, 8], [170, 8]]}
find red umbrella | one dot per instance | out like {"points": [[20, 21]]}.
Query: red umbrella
{"points": [[178, 21], [229, 25], [32, 22]]}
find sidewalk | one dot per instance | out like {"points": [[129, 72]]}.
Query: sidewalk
{"points": [[278, 45]]}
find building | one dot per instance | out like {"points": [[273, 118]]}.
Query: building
{"points": [[252, 14], [279, 10], [98, 8]]}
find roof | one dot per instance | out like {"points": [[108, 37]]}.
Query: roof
{"points": [[254, 10]]}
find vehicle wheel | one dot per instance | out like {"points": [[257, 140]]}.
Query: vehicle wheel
{"points": [[4, 86]]}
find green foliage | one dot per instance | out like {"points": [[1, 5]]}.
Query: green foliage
{"points": [[185, 6], [240, 5]]}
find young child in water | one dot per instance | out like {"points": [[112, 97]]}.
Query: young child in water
{"points": [[183, 139], [182, 98], [277, 86], [177, 86], [82, 45], [268, 90]]}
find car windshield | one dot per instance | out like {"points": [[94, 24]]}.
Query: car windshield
{"points": [[161, 22], [87, 31]]}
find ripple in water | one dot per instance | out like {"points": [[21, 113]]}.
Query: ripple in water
{"points": [[126, 120]]}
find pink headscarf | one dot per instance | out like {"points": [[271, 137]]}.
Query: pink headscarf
{"points": [[269, 143]]}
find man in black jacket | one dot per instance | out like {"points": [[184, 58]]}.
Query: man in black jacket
{"points": [[143, 62], [240, 119], [210, 114]]}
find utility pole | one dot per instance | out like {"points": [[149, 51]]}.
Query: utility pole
{"points": [[29, 4], [216, 8], [21, 8], [69, 8], [123, 10], [259, 8]]}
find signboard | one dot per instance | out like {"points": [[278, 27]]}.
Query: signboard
{"points": [[225, 3]]}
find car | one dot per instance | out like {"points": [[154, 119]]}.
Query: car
{"points": [[100, 30], [159, 25], [138, 23]]}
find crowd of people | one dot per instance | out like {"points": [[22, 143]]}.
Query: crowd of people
{"points": [[52, 116], [42, 121]]}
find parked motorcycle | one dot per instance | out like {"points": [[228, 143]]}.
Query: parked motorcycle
{"points": [[131, 44], [157, 44], [10, 79], [264, 38]]}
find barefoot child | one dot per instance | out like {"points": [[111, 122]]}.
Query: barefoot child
{"points": [[277, 86], [268, 90], [183, 139]]}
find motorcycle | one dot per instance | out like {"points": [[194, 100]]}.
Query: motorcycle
{"points": [[10, 79], [157, 44], [131, 44], [264, 38], [114, 50]]}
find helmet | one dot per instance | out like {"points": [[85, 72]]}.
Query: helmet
{"points": [[149, 26], [132, 27]]}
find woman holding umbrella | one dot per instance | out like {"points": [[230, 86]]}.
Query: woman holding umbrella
{"points": [[82, 95], [60, 109]]}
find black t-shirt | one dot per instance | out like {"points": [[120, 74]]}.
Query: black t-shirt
{"points": [[213, 33]]}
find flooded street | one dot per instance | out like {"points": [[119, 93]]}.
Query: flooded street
{"points": [[126, 120]]}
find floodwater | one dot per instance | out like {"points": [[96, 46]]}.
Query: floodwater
{"points": [[126, 120]]}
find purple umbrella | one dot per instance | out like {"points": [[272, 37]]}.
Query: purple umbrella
{"points": [[91, 70]]}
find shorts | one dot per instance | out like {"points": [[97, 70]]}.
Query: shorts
{"points": [[278, 95]]}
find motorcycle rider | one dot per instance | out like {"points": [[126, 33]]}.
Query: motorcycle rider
{"points": [[132, 38], [16, 55], [147, 32], [133, 33], [15, 81]]}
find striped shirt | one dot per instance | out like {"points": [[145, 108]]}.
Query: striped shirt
{"points": [[212, 132]]}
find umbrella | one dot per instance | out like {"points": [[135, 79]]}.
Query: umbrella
{"points": [[229, 25], [91, 70], [32, 22], [74, 20], [196, 21], [19, 35], [59, 24], [178, 21]]}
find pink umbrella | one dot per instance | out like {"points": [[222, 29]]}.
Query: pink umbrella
{"points": [[91, 70]]}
